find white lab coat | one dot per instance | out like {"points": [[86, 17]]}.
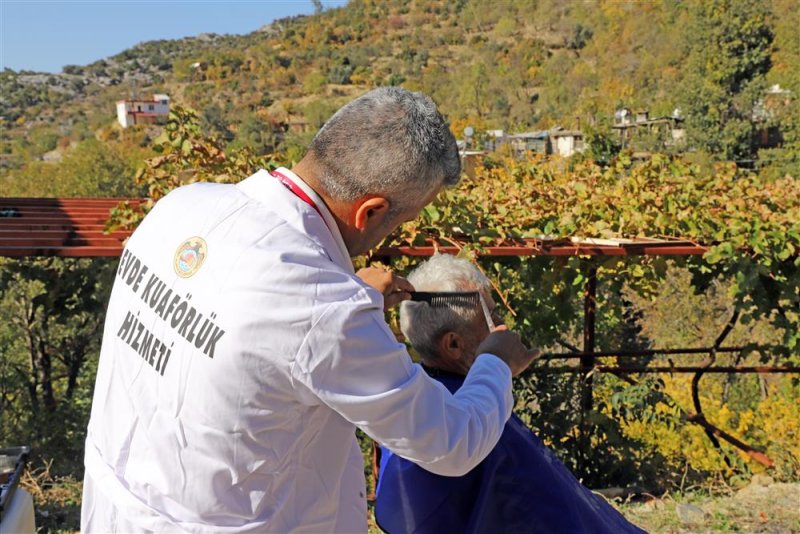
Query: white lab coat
{"points": [[251, 428]]}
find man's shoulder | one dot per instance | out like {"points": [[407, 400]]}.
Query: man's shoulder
{"points": [[198, 201], [198, 191]]}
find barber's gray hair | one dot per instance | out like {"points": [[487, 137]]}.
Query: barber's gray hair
{"points": [[389, 142], [424, 325]]}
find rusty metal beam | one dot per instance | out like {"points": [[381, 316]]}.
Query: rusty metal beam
{"points": [[556, 250], [587, 358], [663, 369], [63, 252], [67, 201], [646, 352]]}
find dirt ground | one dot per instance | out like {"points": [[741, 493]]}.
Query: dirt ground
{"points": [[763, 506]]}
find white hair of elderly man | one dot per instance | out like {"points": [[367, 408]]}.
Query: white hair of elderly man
{"points": [[423, 324]]}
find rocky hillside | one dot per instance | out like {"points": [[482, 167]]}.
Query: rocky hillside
{"points": [[531, 64]]}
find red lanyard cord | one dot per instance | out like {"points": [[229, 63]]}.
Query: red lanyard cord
{"points": [[298, 192]]}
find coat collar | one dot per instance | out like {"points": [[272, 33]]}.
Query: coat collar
{"points": [[261, 186]]}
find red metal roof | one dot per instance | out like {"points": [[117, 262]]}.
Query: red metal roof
{"points": [[137, 101], [74, 227]]}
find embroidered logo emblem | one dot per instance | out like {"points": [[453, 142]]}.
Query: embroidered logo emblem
{"points": [[190, 256]]}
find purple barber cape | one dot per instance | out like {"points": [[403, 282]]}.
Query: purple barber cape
{"points": [[520, 487]]}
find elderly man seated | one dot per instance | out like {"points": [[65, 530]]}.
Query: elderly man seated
{"points": [[521, 486]]}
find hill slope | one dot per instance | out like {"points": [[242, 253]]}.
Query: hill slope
{"points": [[513, 65]]}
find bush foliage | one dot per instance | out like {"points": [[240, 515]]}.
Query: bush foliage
{"points": [[751, 224]]}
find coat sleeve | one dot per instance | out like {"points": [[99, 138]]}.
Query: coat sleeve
{"points": [[351, 361]]}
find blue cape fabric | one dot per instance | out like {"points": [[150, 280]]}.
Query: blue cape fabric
{"points": [[520, 487]]}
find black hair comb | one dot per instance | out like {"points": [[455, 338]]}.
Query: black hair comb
{"points": [[467, 299], [437, 299]]}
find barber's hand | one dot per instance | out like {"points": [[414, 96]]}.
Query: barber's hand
{"points": [[507, 346], [395, 289]]}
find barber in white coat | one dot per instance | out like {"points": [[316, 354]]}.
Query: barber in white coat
{"points": [[240, 349]]}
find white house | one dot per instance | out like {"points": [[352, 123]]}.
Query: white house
{"points": [[567, 142], [130, 112]]}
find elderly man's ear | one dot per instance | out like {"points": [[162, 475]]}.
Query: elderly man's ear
{"points": [[452, 346]]}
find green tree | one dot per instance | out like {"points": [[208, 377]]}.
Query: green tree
{"points": [[256, 134], [52, 313], [213, 120], [603, 146], [783, 110], [728, 55], [91, 169], [318, 111]]}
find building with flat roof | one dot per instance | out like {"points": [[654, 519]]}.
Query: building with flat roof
{"points": [[130, 112]]}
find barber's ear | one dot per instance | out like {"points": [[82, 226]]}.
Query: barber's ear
{"points": [[370, 212], [451, 346]]}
